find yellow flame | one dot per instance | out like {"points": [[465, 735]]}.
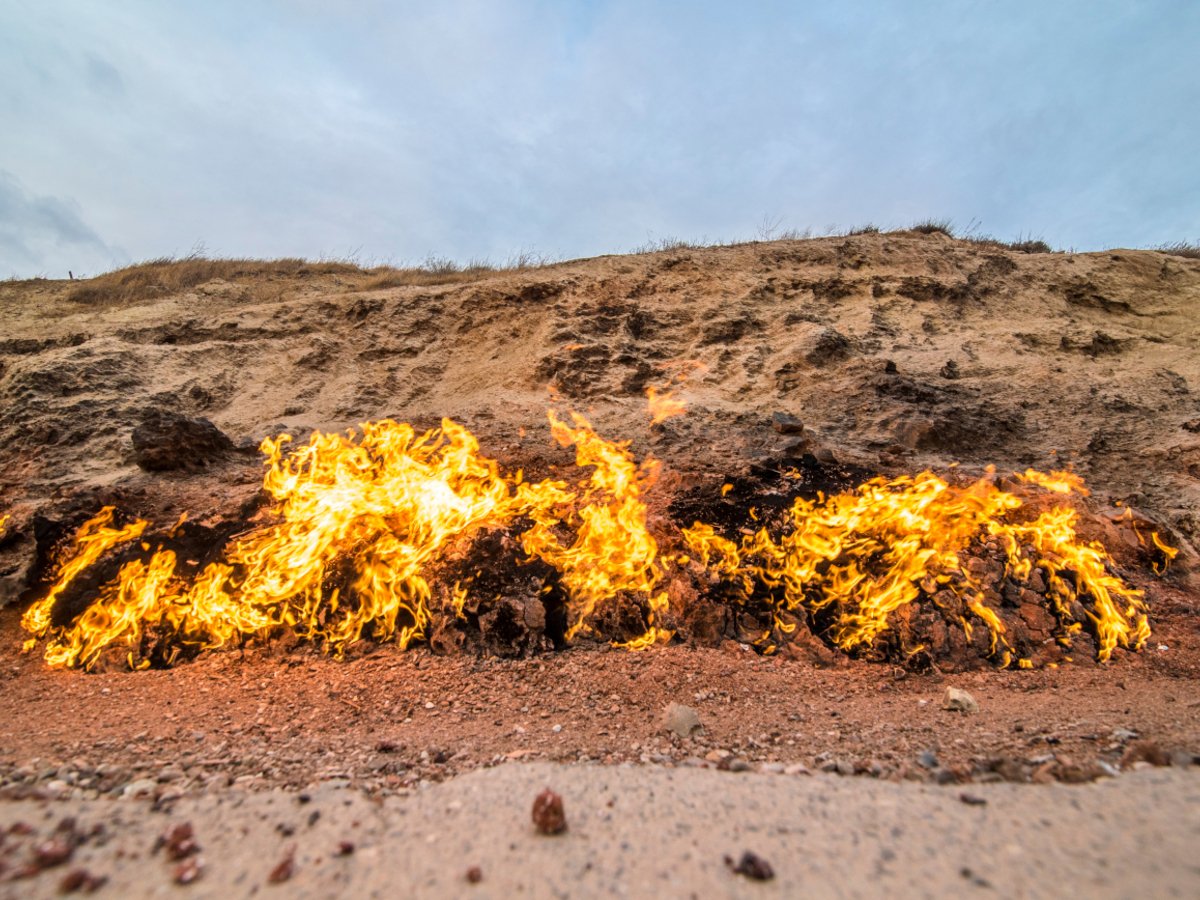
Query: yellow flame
{"points": [[1060, 482], [866, 553], [361, 521], [663, 404], [385, 505]]}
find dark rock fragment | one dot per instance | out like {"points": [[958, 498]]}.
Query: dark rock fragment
{"points": [[752, 866], [166, 441], [81, 880], [474, 875], [786, 423], [285, 868]]}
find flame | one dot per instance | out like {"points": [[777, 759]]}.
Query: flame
{"points": [[360, 522], [663, 404], [864, 554], [385, 505], [613, 552], [1060, 482], [95, 538]]}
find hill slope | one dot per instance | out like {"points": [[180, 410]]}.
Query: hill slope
{"points": [[898, 351]]}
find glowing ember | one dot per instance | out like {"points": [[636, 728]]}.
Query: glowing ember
{"points": [[360, 523]]}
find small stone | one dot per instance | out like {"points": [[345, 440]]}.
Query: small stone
{"points": [[474, 875], [1145, 751], [142, 787], [785, 423], [548, 814], [81, 880], [927, 759], [53, 852], [681, 720], [344, 848], [959, 700], [179, 841], [285, 868], [751, 866], [972, 799], [188, 871], [739, 765]]}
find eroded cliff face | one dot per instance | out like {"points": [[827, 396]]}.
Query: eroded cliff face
{"points": [[896, 352]]}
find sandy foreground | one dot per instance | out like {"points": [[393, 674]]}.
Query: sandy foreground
{"points": [[648, 831]]}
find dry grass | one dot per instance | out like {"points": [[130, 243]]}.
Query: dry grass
{"points": [[934, 226], [162, 277], [1181, 248]]}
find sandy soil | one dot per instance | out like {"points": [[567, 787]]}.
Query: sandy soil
{"points": [[645, 832]]}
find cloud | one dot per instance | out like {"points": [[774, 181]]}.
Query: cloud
{"points": [[480, 127], [41, 234]]}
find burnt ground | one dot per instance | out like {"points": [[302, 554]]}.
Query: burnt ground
{"points": [[389, 720]]}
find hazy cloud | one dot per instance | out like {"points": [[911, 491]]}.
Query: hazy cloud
{"points": [[38, 233], [479, 127]]}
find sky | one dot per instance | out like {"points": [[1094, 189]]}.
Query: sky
{"points": [[389, 132]]}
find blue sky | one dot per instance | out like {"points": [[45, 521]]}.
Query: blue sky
{"points": [[470, 129]]}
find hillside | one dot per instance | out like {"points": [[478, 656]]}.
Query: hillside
{"points": [[897, 351]]}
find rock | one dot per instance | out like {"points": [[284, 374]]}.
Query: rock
{"points": [[1145, 752], [959, 700], [166, 441], [681, 720], [548, 814], [81, 880], [752, 866], [142, 787], [927, 759], [188, 871], [785, 423], [828, 345], [53, 852], [950, 370], [474, 875], [285, 868]]}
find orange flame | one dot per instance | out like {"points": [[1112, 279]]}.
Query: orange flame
{"points": [[865, 554], [388, 505], [663, 404]]}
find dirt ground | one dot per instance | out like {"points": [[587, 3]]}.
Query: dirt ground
{"points": [[640, 832]]}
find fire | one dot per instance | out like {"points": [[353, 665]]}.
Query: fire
{"points": [[663, 404], [361, 522], [860, 556], [385, 505]]}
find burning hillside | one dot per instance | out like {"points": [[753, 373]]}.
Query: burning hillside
{"points": [[390, 535]]}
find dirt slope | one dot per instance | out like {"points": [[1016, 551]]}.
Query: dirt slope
{"points": [[1012, 358]]}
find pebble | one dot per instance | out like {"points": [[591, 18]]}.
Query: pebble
{"points": [[959, 700], [927, 759], [142, 787], [681, 720]]}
